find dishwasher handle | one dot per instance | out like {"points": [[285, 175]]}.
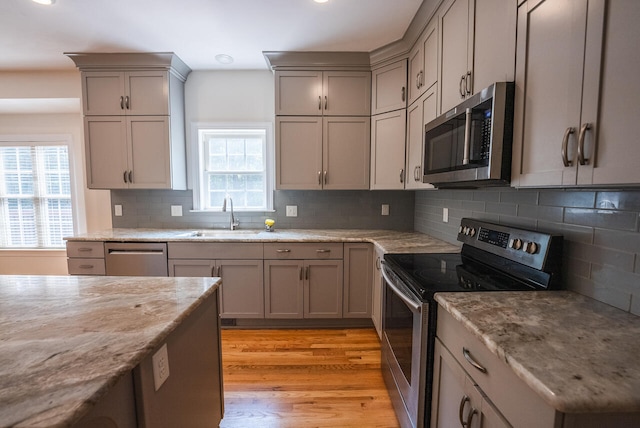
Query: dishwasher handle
{"points": [[136, 252]]}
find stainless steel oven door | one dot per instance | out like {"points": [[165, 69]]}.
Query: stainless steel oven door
{"points": [[404, 328]]}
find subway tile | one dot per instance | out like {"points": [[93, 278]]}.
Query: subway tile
{"points": [[620, 220], [462, 195], [519, 196], [604, 293], [575, 199], [473, 205], [521, 222], [618, 240], [628, 200], [573, 233], [594, 254], [486, 195], [577, 267], [541, 212], [628, 281], [503, 209]]}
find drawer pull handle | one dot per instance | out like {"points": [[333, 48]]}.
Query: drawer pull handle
{"points": [[86, 266], [463, 402], [323, 251], [469, 358], [283, 251], [85, 250]]}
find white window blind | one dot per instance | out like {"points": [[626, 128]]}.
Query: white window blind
{"points": [[35, 195], [234, 162]]}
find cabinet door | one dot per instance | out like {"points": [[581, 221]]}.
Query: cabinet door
{"points": [[346, 152], [192, 268], [387, 150], [323, 289], [376, 292], [429, 42], [242, 291], [346, 93], [147, 92], [389, 88], [283, 285], [149, 160], [455, 400], [456, 52], [103, 93], [299, 153], [418, 115], [416, 64], [106, 152], [495, 42], [615, 156], [299, 93], [549, 66], [358, 261]]}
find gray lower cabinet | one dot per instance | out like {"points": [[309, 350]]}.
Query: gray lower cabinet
{"points": [[303, 280], [358, 277], [85, 258], [242, 291]]}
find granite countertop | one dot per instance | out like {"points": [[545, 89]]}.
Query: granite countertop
{"points": [[65, 340], [578, 354], [389, 241]]}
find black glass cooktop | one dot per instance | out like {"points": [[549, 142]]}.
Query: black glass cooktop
{"points": [[427, 274]]}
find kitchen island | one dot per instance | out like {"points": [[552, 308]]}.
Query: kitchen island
{"points": [[67, 344], [543, 358]]}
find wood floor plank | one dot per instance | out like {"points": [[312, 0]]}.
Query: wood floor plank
{"points": [[304, 378]]}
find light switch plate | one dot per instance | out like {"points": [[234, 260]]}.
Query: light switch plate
{"points": [[117, 210], [445, 215], [385, 209], [176, 210], [292, 211]]}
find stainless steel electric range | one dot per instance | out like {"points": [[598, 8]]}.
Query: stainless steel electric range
{"points": [[493, 258]]}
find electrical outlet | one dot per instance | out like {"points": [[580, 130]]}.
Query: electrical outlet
{"points": [[117, 210], [445, 215], [385, 209], [176, 210], [160, 367], [292, 211]]}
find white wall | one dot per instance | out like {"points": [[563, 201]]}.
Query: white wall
{"points": [[49, 103]]}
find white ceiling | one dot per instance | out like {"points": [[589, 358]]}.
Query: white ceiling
{"points": [[34, 37]]}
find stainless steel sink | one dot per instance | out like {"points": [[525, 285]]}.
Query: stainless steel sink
{"points": [[212, 233]]}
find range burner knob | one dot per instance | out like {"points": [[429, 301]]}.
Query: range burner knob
{"points": [[472, 232], [530, 247], [460, 229], [515, 243]]}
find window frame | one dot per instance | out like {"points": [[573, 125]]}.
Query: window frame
{"points": [[48, 140], [196, 162]]}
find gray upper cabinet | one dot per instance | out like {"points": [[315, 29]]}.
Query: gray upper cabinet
{"points": [[418, 115], [389, 88], [423, 62], [388, 150], [323, 93], [112, 93], [322, 129], [477, 47], [574, 120], [133, 108]]}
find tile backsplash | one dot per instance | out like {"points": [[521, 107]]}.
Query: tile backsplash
{"points": [[340, 209], [601, 231]]}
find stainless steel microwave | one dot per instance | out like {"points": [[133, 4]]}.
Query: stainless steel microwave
{"points": [[470, 145]]}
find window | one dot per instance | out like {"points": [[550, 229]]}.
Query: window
{"points": [[234, 161], [35, 194]]}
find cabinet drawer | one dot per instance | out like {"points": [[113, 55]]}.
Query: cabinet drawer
{"points": [[519, 404], [85, 249], [86, 266], [311, 250], [214, 250]]}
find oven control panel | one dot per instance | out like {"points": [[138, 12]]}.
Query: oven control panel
{"points": [[523, 246]]}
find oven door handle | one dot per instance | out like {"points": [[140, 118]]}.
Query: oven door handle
{"points": [[416, 307]]}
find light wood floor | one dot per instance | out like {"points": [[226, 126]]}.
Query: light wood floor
{"points": [[304, 378]]}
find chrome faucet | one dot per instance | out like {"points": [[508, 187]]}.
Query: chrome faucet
{"points": [[233, 223]]}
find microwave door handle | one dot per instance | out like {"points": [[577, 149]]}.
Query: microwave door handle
{"points": [[467, 137]]}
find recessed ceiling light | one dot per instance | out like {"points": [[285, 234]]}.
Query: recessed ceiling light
{"points": [[224, 58], [45, 2], [320, 1]]}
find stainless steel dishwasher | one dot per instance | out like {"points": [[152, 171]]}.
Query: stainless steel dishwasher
{"points": [[136, 258]]}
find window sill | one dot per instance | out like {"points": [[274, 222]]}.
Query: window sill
{"points": [[226, 213]]}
